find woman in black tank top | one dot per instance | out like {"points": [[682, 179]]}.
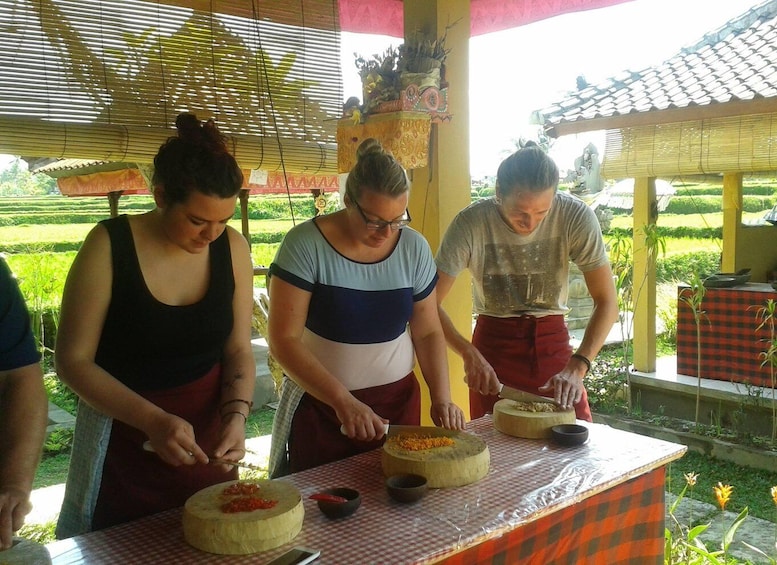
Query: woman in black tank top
{"points": [[154, 337]]}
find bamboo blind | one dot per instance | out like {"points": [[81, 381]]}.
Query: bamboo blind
{"points": [[105, 79], [712, 145]]}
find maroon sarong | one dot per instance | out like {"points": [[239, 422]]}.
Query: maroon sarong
{"points": [[137, 483], [525, 352], [315, 438]]}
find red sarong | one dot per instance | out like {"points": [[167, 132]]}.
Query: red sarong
{"points": [[315, 437], [136, 483], [525, 352]]}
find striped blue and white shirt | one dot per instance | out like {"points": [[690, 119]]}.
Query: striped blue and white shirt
{"points": [[358, 315]]}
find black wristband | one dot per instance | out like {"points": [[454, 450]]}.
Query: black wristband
{"points": [[584, 359]]}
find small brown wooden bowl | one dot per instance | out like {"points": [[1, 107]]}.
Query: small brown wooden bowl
{"points": [[406, 487]]}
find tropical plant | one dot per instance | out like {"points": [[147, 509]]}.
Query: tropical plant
{"points": [[622, 264], [692, 296], [767, 316], [683, 544]]}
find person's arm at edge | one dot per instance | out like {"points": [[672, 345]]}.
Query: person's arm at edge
{"points": [[479, 374], [601, 287], [605, 313], [239, 366], [23, 418], [430, 350]]}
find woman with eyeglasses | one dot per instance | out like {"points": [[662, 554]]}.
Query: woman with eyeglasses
{"points": [[352, 302], [518, 246]]}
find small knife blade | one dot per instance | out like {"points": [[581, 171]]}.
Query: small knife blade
{"points": [[522, 396], [396, 429], [213, 460], [221, 461]]}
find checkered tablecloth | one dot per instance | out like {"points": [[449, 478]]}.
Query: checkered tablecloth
{"points": [[604, 498], [730, 343]]}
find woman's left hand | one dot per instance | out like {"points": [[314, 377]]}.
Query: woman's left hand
{"points": [[232, 443], [447, 415]]}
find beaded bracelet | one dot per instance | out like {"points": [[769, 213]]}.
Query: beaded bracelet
{"points": [[584, 359], [245, 418], [248, 403]]}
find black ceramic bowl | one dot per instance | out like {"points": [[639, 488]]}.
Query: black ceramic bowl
{"points": [[340, 509], [569, 434], [406, 487]]}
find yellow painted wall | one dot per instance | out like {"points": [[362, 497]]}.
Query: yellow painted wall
{"points": [[756, 249]]}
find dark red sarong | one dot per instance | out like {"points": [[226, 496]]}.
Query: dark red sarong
{"points": [[137, 483], [525, 352], [315, 437]]}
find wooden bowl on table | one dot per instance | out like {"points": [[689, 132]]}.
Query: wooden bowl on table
{"points": [[340, 509], [406, 487]]}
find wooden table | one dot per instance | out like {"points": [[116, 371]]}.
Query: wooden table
{"points": [[602, 502], [730, 341]]}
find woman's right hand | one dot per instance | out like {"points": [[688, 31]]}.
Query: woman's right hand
{"points": [[479, 374], [172, 438], [360, 422]]}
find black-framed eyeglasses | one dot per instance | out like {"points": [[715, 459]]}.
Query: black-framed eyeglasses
{"points": [[381, 224]]}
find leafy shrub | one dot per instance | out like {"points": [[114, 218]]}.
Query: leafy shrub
{"points": [[672, 232], [281, 207], [708, 204], [681, 267], [60, 394], [59, 440], [487, 192], [696, 190]]}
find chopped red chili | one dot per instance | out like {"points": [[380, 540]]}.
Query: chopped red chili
{"points": [[247, 504], [242, 488]]}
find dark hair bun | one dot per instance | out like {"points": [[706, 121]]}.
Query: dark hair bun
{"points": [[369, 146], [188, 125]]}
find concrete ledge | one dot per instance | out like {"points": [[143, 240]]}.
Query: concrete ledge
{"points": [[739, 407], [59, 418], [264, 391], [724, 450]]}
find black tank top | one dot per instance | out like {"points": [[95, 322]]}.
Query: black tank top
{"points": [[148, 345]]}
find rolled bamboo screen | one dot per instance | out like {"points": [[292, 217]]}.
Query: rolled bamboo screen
{"points": [[105, 79], [713, 145]]}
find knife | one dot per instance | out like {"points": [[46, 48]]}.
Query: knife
{"points": [[521, 395], [396, 429], [220, 461], [214, 460]]}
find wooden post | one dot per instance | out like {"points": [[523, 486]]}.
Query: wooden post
{"points": [[113, 202], [442, 188], [244, 193], [732, 218], [644, 281]]}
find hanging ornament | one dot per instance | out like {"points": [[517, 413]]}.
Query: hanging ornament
{"points": [[320, 203]]}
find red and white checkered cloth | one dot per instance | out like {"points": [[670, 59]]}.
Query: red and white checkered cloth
{"points": [[528, 480]]}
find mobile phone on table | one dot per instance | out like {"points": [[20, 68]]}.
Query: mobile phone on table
{"points": [[296, 556]]}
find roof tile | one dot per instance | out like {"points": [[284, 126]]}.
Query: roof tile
{"points": [[737, 61]]}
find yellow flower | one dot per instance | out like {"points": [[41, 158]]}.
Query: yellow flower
{"points": [[690, 478], [722, 493], [773, 492]]}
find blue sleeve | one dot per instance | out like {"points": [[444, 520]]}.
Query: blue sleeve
{"points": [[17, 344]]}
